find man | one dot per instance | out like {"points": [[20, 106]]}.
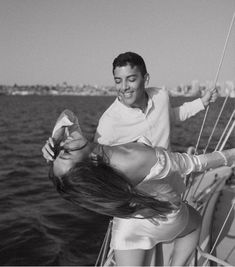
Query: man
{"points": [[142, 113], [139, 111]]}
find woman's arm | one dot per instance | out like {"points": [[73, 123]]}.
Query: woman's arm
{"points": [[217, 159], [139, 162], [183, 163]]}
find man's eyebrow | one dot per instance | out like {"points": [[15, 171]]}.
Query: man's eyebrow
{"points": [[129, 76]]}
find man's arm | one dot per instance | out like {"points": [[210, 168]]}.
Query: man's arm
{"points": [[189, 109]]}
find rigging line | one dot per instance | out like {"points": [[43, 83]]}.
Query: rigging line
{"points": [[103, 246], [106, 247], [217, 120], [222, 228], [200, 133], [212, 258], [188, 190], [222, 136], [229, 132], [215, 81], [100, 252], [221, 148], [216, 78], [199, 183]]}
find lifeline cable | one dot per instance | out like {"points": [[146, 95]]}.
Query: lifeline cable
{"points": [[228, 134], [222, 136]]}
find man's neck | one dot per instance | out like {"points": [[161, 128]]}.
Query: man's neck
{"points": [[144, 103], [141, 104]]}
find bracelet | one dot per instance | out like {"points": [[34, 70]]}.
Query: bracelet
{"points": [[190, 161], [200, 166], [201, 161], [223, 156]]}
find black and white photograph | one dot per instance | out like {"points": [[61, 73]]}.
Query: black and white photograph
{"points": [[117, 126]]}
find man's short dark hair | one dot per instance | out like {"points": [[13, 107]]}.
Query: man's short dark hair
{"points": [[132, 59]]}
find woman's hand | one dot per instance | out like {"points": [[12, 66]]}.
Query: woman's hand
{"points": [[48, 150]]}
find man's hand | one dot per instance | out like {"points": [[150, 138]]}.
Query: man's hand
{"points": [[47, 150], [209, 96]]}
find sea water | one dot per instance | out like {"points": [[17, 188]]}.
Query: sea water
{"points": [[37, 227]]}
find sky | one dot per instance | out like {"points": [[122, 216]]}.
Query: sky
{"points": [[75, 41]]}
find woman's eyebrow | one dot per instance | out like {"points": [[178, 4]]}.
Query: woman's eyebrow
{"points": [[75, 148], [67, 158]]}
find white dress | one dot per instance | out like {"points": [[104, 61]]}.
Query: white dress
{"points": [[166, 183]]}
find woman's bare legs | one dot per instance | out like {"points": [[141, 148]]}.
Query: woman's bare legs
{"points": [[133, 257], [185, 245]]}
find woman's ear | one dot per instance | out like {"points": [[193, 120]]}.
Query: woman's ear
{"points": [[146, 79]]}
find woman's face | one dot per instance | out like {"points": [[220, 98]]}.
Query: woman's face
{"points": [[70, 152]]}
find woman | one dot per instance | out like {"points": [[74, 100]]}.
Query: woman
{"points": [[139, 185]]}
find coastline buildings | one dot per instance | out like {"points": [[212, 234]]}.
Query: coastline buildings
{"points": [[195, 89]]}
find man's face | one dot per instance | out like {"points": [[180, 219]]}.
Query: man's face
{"points": [[130, 85]]}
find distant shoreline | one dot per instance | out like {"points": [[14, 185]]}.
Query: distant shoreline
{"points": [[191, 90]]}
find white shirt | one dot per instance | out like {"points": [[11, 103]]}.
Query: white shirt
{"points": [[121, 124]]}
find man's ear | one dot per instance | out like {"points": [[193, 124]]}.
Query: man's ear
{"points": [[146, 79]]}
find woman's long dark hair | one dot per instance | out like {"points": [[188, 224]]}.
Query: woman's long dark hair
{"points": [[102, 189]]}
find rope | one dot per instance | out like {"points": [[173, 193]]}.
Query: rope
{"points": [[222, 228], [229, 132], [221, 148], [217, 120], [202, 127], [106, 243], [212, 258], [222, 136], [104, 246], [199, 183], [192, 176], [215, 80]]}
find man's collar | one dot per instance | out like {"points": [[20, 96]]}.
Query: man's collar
{"points": [[130, 109]]}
